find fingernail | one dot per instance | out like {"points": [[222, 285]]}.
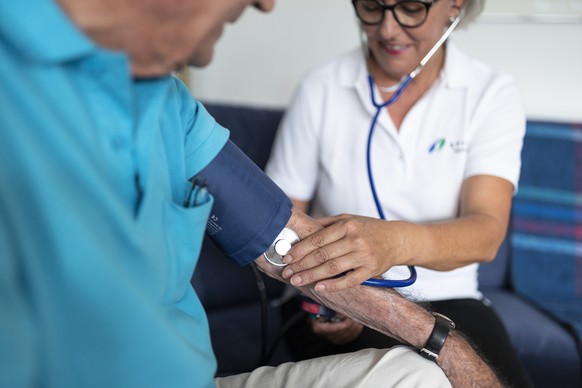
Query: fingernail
{"points": [[296, 280], [320, 287], [287, 259], [287, 273]]}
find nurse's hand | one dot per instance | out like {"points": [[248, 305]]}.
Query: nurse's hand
{"points": [[361, 247]]}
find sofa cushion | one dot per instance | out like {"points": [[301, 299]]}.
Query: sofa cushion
{"points": [[547, 211], [220, 283], [251, 129], [546, 349], [495, 274]]}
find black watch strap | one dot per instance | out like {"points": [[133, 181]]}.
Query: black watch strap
{"points": [[440, 332]]}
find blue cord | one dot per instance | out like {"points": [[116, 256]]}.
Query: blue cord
{"points": [[403, 84], [373, 282]]}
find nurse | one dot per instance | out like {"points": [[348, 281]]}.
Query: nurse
{"points": [[445, 158]]}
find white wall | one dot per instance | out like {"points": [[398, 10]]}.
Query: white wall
{"points": [[544, 59], [260, 59]]}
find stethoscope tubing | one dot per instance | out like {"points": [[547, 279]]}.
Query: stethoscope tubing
{"points": [[379, 106], [373, 282]]}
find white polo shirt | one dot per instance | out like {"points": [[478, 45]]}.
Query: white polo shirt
{"points": [[470, 122]]}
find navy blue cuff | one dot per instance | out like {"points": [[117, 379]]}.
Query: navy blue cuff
{"points": [[249, 210]]}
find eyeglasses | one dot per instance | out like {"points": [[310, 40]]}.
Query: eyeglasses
{"points": [[408, 13]]}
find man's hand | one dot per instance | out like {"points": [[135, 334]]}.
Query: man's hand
{"points": [[340, 330]]}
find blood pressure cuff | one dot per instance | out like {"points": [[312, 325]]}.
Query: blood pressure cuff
{"points": [[249, 209]]}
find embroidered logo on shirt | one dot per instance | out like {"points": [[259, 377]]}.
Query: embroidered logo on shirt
{"points": [[437, 146], [441, 144]]}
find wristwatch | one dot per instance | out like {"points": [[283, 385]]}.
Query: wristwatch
{"points": [[442, 326]]}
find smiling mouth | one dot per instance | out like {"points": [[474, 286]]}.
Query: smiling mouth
{"points": [[394, 49]]}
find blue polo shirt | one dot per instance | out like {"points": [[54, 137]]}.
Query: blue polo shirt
{"points": [[96, 249]]}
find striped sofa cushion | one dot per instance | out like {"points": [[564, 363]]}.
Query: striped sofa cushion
{"points": [[546, 243]]}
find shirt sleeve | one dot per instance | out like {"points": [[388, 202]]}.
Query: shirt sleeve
{"points": [[498, 131], [294, 158], [204, 136]]}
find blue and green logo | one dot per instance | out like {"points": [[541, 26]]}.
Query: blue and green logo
{"points": [[437, 146]]}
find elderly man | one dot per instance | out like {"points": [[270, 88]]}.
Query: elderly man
{"points": [[97, 144]]}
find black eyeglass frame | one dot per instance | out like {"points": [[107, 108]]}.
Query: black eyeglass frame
{"points": [[391, 8]]}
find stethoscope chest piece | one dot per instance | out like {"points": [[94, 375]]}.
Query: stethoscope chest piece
{"points": [[281, 246]]}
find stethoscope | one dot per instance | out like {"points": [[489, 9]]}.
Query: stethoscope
{"points": [[400, 87]]}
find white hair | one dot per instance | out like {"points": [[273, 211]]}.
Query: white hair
{"points": [[471, 9]]}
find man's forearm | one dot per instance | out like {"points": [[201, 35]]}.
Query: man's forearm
{"points": [[387, 312]]}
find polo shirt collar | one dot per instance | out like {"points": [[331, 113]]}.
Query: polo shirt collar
{"points": [[41, 31], [457, 64], [352, 73], [353, 70]]}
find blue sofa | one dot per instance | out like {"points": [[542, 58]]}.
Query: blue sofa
{"points": [[549, 348]]}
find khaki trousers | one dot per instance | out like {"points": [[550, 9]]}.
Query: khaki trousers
{"points": [[396, 367]]}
